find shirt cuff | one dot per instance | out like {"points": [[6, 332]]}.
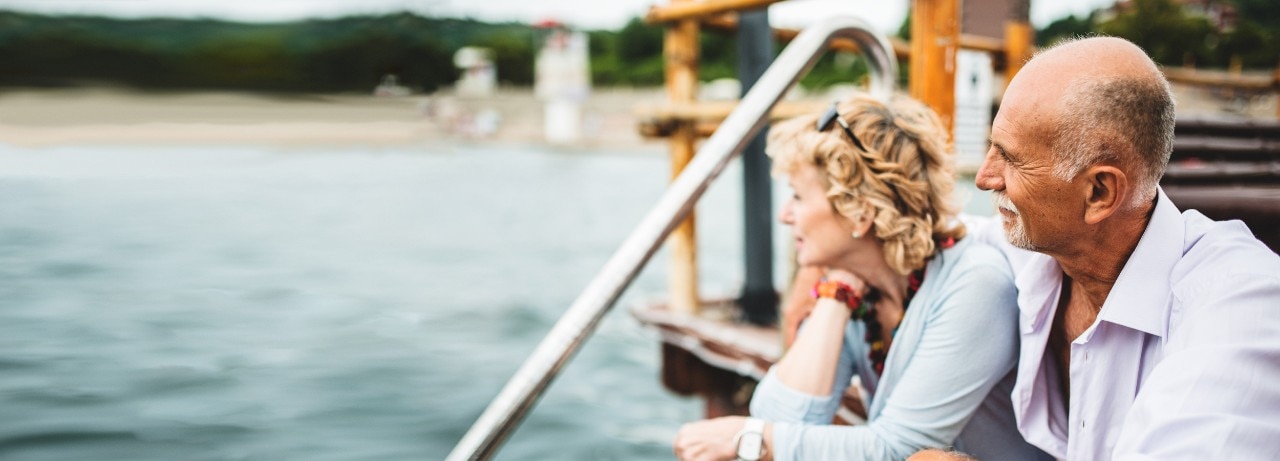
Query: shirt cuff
{"points": [[775, 401], [785, 437]]}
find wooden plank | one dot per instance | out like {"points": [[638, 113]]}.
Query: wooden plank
{"points": [[743, 348], [660, 121], [1232, 127], [902, 49], [728, 22], [1244, 148], [652, 129], [1222, 79], [697, 10], [1220, 172], [719, 110], [981, 43], [701, 351], [935, 35]]}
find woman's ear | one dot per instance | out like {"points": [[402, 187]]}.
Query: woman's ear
{"points": [[861, 222]]}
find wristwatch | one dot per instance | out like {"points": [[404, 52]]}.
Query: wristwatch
{"points": [[750, 440]]}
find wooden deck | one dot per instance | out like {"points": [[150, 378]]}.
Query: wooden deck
{"points": [[713, 355]]}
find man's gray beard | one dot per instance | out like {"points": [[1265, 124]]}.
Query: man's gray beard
{"points": [[1016, 233]]}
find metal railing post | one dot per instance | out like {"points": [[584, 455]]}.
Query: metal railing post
{"points": [[507, 409]]}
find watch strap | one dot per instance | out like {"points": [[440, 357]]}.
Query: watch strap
{"points": [[753, 433]]}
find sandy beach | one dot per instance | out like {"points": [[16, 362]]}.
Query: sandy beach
{"points": [[36, 118]]}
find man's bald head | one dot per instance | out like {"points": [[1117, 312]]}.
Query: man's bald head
{"points": [[1097, 56], [1107, 102]]}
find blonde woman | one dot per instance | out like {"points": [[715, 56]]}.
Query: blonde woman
{"points": [[926, 319]]}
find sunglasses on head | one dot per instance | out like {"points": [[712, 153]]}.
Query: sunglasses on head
{"points": [[833, 115]]}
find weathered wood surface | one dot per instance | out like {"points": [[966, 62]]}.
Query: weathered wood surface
{"points": [[901, 49], [681, 51], [698, 10], [714, 356], [1228, 169], [712, 336], [1019, 39], [1225, 79], [935, 37]]}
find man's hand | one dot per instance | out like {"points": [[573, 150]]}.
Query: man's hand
{"points": [[709, 440], [934, 454]]}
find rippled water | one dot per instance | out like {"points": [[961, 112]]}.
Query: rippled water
{"points": [[263, 304]]}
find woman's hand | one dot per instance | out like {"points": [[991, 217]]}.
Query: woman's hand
{"points": [[709, 440], [800, 302], [859, 287]]}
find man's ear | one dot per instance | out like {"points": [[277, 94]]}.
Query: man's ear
{"points": [[1108, 190]]}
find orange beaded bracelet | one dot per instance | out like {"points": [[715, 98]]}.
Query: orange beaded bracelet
{"points": [[839, 291]]}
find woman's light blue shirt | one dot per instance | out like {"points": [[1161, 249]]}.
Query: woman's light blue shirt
{"points": [[946, 382]]}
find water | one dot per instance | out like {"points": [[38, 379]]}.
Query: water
{"points": [[248, 303]]}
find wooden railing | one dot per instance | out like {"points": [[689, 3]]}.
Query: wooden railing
{"points": [[935, 27]]}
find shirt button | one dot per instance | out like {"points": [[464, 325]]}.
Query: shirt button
{"points": [[1082, 423]]}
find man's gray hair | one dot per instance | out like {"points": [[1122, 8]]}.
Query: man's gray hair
{"points": [[1128, 120]]}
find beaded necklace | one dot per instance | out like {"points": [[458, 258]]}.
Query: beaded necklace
{"points": [[866, 312]]}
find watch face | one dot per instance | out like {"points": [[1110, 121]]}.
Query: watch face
{"points": [[750, 446]]}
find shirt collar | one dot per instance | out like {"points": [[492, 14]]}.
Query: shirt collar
{"points": [[1140, 297], [1038, 280]]}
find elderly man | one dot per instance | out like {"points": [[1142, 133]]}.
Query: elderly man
{"points": [[1147, 333]]}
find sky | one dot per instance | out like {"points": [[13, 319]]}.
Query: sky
{"points": [[884, 15]]}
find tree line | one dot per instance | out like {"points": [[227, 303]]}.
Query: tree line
{"points": [[352, 54], [1175, 36]]}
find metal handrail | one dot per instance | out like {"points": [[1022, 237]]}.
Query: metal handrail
{"points": [[507, 409]]}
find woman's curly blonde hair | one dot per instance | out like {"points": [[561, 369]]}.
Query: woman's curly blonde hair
{"points": [[905, 176]]}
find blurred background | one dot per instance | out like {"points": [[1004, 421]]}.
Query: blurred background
{"points": [[243, 230]]}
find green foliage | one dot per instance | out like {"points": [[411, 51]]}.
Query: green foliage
{"points": [[632, 56], [513, 55], [1172, 36], [904, 30], [828, 72], [1256, 39], [638, 40], [719, 56], [1068, 27], [358, 62], [345, 54], [1252, 44], [1164, 30], [1264, 14], [248, 61]]}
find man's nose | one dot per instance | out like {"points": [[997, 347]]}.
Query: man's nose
{"points": [[989, 175]]}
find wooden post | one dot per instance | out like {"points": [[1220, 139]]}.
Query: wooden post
{"points": [[681, 50], [1019, 39], [1275, 83], [935, 35]]}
